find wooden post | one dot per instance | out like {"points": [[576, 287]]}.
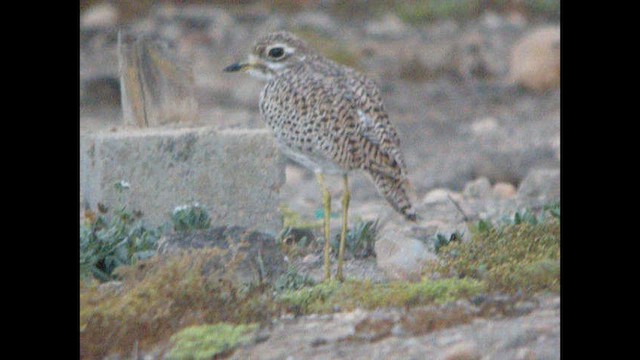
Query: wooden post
{"points": [[157, 88]]}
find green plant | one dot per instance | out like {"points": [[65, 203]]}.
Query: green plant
{"points": [[421, 11], [440, 240], [190, 217], [483, 226], [109, 242], [296, 242], [292, 280], [209, 341], [522, 256], [360, 240], [553, 209], [526, 216], [326, 296], [292, 219], [532, 217], [162, 295]]}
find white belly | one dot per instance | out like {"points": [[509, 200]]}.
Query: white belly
{"points": [[313, 163]]}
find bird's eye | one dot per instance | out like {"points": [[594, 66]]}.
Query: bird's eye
{"points": [[276, 52]]}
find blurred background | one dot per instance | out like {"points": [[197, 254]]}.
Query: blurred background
{"points": [[471, 85]]}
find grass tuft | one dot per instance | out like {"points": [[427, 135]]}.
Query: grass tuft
{"points": [[522, 256], [328, 296], [360, 240], [159, 297], [190, 217], [292, 280], [208, 341]]}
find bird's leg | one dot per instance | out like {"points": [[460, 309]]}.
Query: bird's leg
{"points": [[326, 202], [346, 196]]}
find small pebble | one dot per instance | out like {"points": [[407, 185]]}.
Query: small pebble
{"points": [[318, 342], [504, 190], [466, 350], [525, 354]]}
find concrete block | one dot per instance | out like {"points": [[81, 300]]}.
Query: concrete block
{"points": [[235, 174], [541, 183]]}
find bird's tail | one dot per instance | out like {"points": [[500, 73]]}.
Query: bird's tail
{"points": [[396, 192]]}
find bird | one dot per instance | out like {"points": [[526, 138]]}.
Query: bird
{"points": [[330, 119]]}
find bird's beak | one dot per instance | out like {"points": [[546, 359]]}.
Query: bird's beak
{"points": [[238, 66]]}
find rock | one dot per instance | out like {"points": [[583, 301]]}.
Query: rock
{"points": [[478, 188], [100, 91], [374, 327], [484, 126], [439, 195], [399, 256], [422, 320], [424, 230], [469, 60], [521, 308], [492, 20], [311, 259], [252, 256], [100, 15], [435, 57], [481, 52], [295, 174], [441, 332], [521, 337], [389, 27], [525, 354], [318, 342], [516, 19], [542, 183], [555, 145], [535, 60], [409, 58], [315, 20], [466, 350], [235, 174], [508, 155], [503, 190]]}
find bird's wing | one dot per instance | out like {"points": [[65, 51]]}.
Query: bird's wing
{"points": [[358, 121]]}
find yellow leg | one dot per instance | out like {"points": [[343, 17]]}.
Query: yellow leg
{"points": [[343, 235], [326, 202]]}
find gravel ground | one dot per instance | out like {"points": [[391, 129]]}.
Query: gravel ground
{"points": [[535, 335]]}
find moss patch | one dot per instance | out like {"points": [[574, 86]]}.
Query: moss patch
{"points": [[207, 341], [161, 296], [325, 297], [519, 257]]}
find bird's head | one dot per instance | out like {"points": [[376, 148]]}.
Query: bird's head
{"points": [[272, 54]]}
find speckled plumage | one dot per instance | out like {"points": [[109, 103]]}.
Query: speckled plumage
{"points": [[330, 118]]}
